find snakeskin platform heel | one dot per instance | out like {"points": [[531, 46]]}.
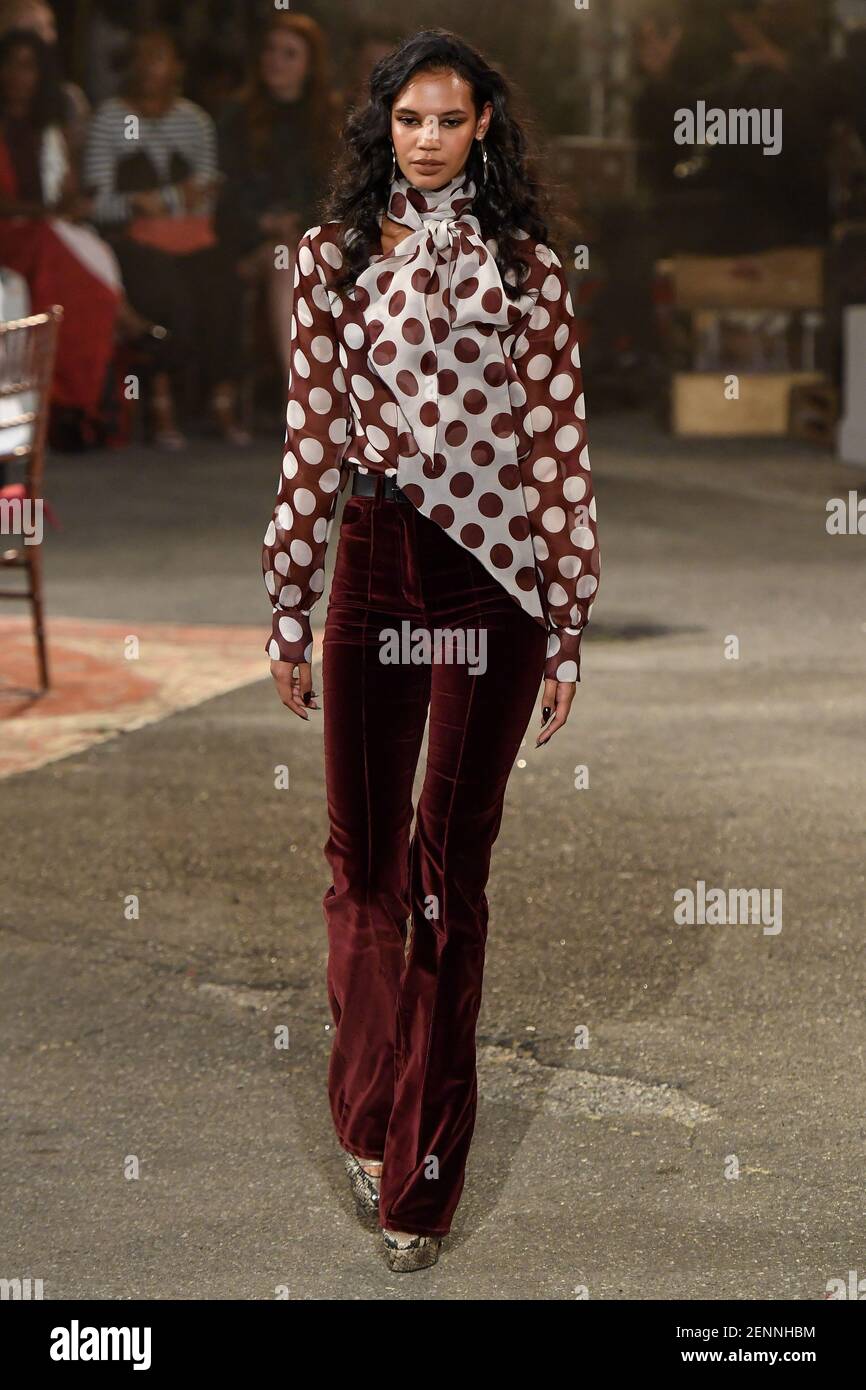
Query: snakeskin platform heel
{"points": [[407, 1253], [365, 1187]]}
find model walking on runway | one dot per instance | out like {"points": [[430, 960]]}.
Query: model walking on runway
{"points": [[435, 366]]}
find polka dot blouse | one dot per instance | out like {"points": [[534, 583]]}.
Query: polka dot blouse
{"points": [[341, 416]]}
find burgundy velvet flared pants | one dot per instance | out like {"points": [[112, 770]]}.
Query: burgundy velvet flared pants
{"points": [[402, 1077]]}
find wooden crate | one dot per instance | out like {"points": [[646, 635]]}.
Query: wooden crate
{"points": [[815, 413], [699, 406], [788, 278], [745, 340]]}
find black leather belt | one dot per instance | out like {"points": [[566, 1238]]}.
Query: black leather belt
{"points": [[364, 485]]}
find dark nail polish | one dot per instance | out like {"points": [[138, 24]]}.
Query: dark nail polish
{"points": [[545, 713], [307, 697]]}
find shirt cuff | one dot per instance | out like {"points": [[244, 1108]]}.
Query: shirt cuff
{"points": [[563, 654], [291, 638]]}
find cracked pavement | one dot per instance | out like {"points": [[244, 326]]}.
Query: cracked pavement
{"points": [[706, 1140]]}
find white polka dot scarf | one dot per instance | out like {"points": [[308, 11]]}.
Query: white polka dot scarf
{"points": [[432, 307]]}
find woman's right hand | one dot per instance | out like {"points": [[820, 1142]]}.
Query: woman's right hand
{"points": [[292, 688]]}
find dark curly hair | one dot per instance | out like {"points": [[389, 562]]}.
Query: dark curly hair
{"points": [[509, 201], [47, 106]]}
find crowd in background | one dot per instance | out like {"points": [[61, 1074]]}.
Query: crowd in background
{"points": [[156, 222], [161, 206]]}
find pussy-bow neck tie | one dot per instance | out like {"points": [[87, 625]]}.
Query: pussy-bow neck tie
{"points": [[436, 313]]}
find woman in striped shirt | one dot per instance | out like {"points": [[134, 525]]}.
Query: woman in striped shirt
{"points": [[150, 164]]}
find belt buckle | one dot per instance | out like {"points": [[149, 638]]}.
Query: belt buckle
{"points": [[365, 485], [393, 490]]}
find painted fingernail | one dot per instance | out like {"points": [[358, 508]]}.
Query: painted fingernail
{"points": [[545, 714], [307, 696]]}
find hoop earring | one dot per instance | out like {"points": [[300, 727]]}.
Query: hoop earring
{"points": [[484, 158], [393, 162]]}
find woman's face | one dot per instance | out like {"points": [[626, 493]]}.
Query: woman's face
{"points": [[19, 78], [283, 64], [155, 66], [433, 124]]}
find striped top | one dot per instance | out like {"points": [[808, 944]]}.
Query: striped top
{"points": [[116, 133]]}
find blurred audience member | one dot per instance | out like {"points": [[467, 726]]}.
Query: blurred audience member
{"points": [[275, 146], [215, 35], [666, 84], [779, 63], [372, 42], [214, 77], [150, 164], [108, 30], [771, 59], [38, 16], [41, 237]]}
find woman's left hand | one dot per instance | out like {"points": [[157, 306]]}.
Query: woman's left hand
{"points": [[557, 696]]}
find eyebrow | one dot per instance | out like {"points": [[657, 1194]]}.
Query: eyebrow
{"points": [[410, 111]]}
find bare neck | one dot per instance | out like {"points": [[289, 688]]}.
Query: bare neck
{"points": [[392, 234]]}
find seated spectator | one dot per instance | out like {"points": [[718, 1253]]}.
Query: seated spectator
{"points": [[38, 16], [41, 236], [765, 56], [275, 143], [150, 163]]}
